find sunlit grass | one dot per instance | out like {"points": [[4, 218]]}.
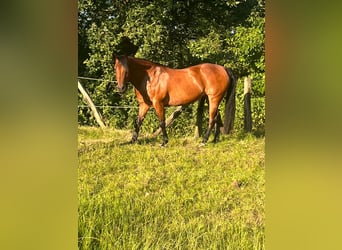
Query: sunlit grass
{"points": [[183, 196]]}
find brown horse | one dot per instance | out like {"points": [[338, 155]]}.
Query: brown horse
{"points": [[160, 86]]}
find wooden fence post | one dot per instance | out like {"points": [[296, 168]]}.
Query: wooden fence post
{"points": [[86, 97], [247, 120]]}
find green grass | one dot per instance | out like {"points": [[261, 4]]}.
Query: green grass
{"points": [[183, 196]]}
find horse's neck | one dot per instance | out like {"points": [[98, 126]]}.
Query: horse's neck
{"points": [[141, 62], [138, 73]]}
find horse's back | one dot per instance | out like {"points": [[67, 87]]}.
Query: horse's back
{"points": [[214, 78], [213, 72]]}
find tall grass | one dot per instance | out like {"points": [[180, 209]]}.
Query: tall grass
{"points": [[183, 196]]}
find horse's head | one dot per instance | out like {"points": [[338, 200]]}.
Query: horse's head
{"points": [[121, 72]]}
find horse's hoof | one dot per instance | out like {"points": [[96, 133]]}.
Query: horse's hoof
{"points": [[202, 144], [163, 145]]}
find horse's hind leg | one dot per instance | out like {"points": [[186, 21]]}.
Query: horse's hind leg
{"points": [[213, 111], [218, 125], [143, 108]]}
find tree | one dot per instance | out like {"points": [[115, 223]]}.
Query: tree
{"points": [[172, 32]]}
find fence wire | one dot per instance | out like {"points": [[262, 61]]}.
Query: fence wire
{"points": [[103, 106]]}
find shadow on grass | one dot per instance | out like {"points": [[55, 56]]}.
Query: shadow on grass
{"points": [[152, 140], [258, 133]]}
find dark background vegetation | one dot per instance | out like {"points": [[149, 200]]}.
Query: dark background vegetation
{"points": [[174, 33]]}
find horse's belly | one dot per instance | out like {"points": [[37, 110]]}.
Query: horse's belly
{"points": [[183, 98], [184, 89]]}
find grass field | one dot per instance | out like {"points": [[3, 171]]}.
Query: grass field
{"points": [[183, 196]]}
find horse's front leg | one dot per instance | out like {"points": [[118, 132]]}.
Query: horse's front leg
{"points": [[159, 107], [143, 108]]}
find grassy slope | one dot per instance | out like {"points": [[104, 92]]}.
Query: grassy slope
{"points": [[179, 197]]}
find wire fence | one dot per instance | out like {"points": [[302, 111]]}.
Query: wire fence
{"points": [[118, 107], [109, 106], [103, 106], [94, 79]]}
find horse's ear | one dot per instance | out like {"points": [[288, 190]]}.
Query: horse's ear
{"points": [[114, 56], [117, 56], [121, 58]]}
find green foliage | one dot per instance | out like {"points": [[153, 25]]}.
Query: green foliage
{"points": [[247, 50], [146, 197], [174, 33]]}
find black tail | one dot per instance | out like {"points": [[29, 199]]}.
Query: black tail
{"points": [[199, 117], [229, 113]]}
